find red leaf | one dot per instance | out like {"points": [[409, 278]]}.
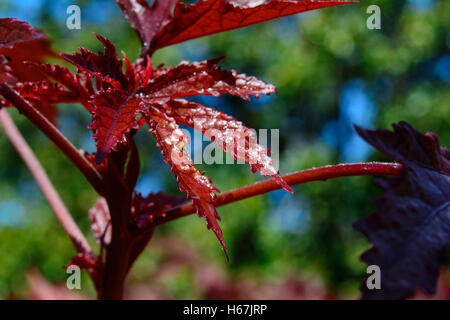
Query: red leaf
{"points": [[12, 33], [411, 229], [42, 93], [79, 85], [19, 57], [34, 51], [147, 19], [228, 133], [13, 30], [204, 78], [106, 64], [198, 187], [23, 43], [206, 17], [115, 104], [113, 117]]}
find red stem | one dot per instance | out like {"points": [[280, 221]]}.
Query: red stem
{"points": [[44, 183], [315, 174], [86, 168], [116, 266], [119, 250]]}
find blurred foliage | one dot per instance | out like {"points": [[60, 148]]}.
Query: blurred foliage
{"points": [[330, 71]]}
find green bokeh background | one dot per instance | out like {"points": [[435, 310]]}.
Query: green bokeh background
{"points": [[330, 71]]}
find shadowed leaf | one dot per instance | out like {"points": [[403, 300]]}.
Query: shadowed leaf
{"points": [[411, 229], [145, 209]]}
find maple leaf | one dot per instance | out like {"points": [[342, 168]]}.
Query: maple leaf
{"points": [[167, 22], [411, 229]]}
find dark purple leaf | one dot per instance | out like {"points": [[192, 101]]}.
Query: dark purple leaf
{"points": [[410, 231]]}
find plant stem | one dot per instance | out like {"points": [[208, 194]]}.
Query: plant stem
{"points": [[86, 168], [44, 183], [116, 268], [299, 177], [119, 251]]}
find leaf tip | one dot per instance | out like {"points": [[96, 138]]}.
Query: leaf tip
{"points": [[219, 236], [282, 183]]}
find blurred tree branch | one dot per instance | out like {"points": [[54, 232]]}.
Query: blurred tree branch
{"points": [[44, 183]]}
